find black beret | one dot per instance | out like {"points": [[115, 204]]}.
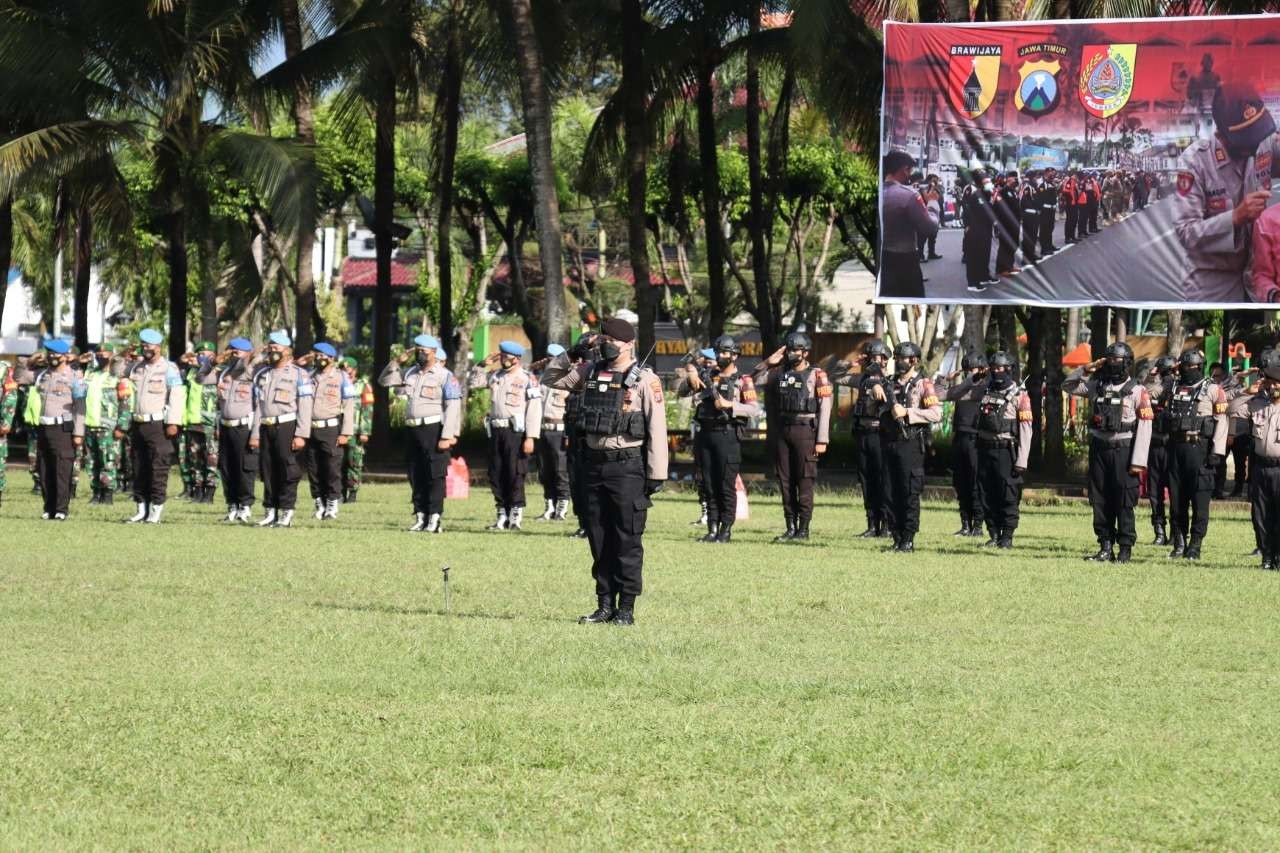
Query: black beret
{"points": [[618, 329]]}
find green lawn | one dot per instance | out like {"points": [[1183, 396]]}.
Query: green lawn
{"points": [[192, 685]]}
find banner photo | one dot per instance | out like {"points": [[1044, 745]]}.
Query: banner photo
{"points": [[1075, 163]]}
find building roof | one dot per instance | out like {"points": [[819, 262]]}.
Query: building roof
{"points": [[362, 273]]}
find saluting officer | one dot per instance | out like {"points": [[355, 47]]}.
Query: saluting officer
{"points": [[107, 405], [1008, 230], [333, 423], [1004, 445], [1047, 193], [513, 425], [1029, 204], [965, 395], [1260, 404], [55, 418], [727, 399], [198, 442], [159, 412], [281, 426], [1159, 383], [232, 373], [434, 417], [868, 406], [979, 225], [553, 461], [1196, 415], [1119, 439], [798, 401], [353, 453], [904, 431], [624, 421], [705, 361]]}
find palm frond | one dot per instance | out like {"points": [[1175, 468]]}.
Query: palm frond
{"points": [[54, 150]]}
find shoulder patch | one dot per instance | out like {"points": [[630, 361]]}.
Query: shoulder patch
{"points": [[1186, 180], [1024, 415], [79, 389], [823, 390], [349, 391], [305, 388], [1146, 413], [172, 378], [452, 390], [1219, 408], [655, 388]]}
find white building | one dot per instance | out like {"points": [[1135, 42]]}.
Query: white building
{"points": [[20, 326]]}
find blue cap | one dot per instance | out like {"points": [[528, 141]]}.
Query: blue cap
{"points": [[554, 350], [57, 346], [151, 336], [325, 348], [441, 354], [707, 353], [511, 348], [426, 341], [240, 344], [280, 338]]}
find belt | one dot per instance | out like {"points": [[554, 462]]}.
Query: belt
{"points": [[1187, 438], [237, 422], [597, 455], [500, 423], [326, 423], [548, 426], [797, 419], [426, 420], [53, 421], [280, 419], [995, 442], [1115, 441], [147, 419], [866, 425], [1266, 463]]}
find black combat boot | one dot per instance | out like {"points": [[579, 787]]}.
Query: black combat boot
{"points": [[186, 491], [993, 537], [1161, 537], [966, 525], [106, 498], [872, 531], [1270, 562], [1192, 551], [725, 532], [351, 495], [93, 499], [1256, 552], [712, 534], [1006, 539], [790, 533], [882, 529], [1104, 554], [1179, 546], [802, 530], [626, 612], [604, 612], [1125, 554], [976, 529], [908, 544]]}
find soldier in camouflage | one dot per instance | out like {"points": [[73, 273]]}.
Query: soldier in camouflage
{"points": [[108, 405], [8, 408], [353, 453], [198, 457]]}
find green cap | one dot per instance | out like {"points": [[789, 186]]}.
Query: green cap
{"points": [[349, 361], [106, 346], [206, 346]]}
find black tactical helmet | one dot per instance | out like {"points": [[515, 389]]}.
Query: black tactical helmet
{"points": [[798, 340], [1119, 357], [725, 343], [999, 360], [875, 347], [1269, 364], [904, 350], [1191, 358], [1164, 365], [973, 361]]}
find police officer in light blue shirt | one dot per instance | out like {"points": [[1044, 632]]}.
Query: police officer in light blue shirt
{"points": [[55, 415], [159, 410]]}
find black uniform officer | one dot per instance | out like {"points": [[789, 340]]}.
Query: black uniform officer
{"points": [[979, 225], [1004, 445], [1260, 407], [965, 395], [904, 433], [1047, 192], [1029, 204], [1119, 438], [1196, 415], [1008, 210], [867, 407], [1159, 384], [624, 420]]}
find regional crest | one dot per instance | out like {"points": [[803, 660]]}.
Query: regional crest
{"points": [[1106, 77], [1038, 90], [974, 77]]}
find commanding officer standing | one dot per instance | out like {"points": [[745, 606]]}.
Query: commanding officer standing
{"points": [[433, 414], [8, 409], [1004, 445], [904, 430], [1007, 207], [553, 462], [107, 404], [868, 406], [55, 416], [979, 226], [158, 413], [1159, 383], [1224, 184], [727, 399], [624, 421], [231, 376], [283, 396], [1119, 439], [905, 220], [353, 453], [1047, 193], [333, 422], [1261, 407], [513, 425], [965, 396], [1196, 415], [1029, 204], [798, 399]]}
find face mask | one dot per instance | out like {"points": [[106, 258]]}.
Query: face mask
{"points": [[1001, 380], [203, 360], [795, 356], [1116, 369], [151, 353], [103, 363], [322, 363], [274, 356], [1273, 391], [724, 361], [873, 368], [507, 363], [609, 350], [902, 367], [1191, 375]]}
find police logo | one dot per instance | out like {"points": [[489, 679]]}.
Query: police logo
{"points": [[973, 78], [1038, 92], [1106, 77], [1186, 181]]}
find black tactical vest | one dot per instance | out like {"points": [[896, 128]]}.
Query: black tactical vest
{"points": [[725, 387], [899, 394], [1108, 407], [991, 417], [572, 409], [1181, 412], [793, 393], [865, 406], [603, 398]]}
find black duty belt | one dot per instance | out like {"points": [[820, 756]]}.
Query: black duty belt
{"points": [[1187, 438], [966, 430], [1266, 463], [995, 442], [1113, 442], [622, 453], [794, 420], [715, 426], [866, 425], [899, 433]]}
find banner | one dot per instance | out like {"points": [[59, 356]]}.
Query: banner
{"points": [[1099, 162]]}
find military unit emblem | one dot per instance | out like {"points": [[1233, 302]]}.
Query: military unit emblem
{"points": [[1106, 77], [974, 77]]}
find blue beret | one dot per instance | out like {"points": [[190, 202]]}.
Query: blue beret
{"points": [[511, 348], [707, 353], [426, 341], [280, 338], [57, 346], [441, 354], [240, 344], [151, 336], [325, 348], [554, 350]]}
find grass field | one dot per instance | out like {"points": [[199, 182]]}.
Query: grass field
{"points": [[191, 685]]}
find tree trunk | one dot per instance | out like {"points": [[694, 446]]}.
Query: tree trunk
{"points": [[707, 142], [83, 272], [451, 86], [209, 288], [637, 151], [1055, 453], [537, 124], [304, 130], [177, 260], [1099, 330], [1036, 321], [1073, 329], [1176, 337], [1007, 324], [6, 247], [384, 187], [756, 216]]}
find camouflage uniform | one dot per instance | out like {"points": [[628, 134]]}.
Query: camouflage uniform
{"points": [[110, 407], [8, 408], [353, 454], [198, 445]]}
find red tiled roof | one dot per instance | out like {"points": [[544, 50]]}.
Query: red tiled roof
{"points": [[363, 273]]}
